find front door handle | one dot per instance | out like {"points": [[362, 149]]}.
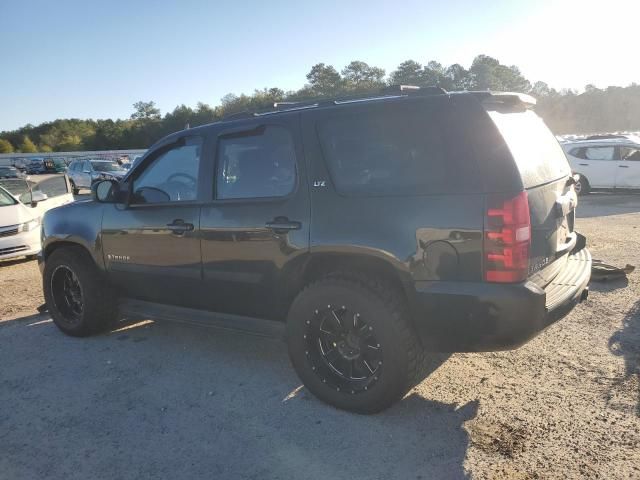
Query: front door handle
{"points": [[583, 164], [179, 226], [623, 166], [283, 225]]}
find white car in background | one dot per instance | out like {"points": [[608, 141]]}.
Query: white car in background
{"points": [[22, 205], [612, 163]]}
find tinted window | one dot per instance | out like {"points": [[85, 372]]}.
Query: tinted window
{"points": [[577, 152], [17, 188], [630, 154], [384, 151], [173, 176], [259, 165], [5, 199], [536, 151], [106, 167]]}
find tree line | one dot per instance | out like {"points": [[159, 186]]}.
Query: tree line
{"points": [[565, 111]]}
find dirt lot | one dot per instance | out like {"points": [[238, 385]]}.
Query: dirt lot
{"points": [[166, 401]]}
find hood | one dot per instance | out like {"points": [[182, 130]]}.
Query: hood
{"points": [[15, 214]]}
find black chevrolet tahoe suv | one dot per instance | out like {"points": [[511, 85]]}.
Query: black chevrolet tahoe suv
{"points": [[369, 230]]}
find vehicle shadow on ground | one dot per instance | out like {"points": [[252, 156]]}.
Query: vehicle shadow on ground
{"points": [[15, 261], [180, 401], [602, 204], [609, 285], [626, 343]]}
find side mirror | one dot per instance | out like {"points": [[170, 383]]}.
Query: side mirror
{"points": [[37, 196], [106, 191]]}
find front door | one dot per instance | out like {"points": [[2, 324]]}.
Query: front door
{"points": [[152, 246], [84, 175], [628, 171], [256, 226]]}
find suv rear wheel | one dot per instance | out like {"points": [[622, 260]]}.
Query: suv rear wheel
{"points": [[351, 343], [79, 301]]}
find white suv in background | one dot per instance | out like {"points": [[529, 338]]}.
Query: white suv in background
{"points": [[604, 163]]}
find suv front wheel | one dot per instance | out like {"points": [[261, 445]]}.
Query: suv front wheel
{"points": [[77, 298], [351, 343]]}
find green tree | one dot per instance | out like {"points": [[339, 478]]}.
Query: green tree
{"points": [[457, 78], [27, 146], [5, 146], [541, 89], [145, 111], [489, 74], [361, 76], [408, 72], [324, 80]]}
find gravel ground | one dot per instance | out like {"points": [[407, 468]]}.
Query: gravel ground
{"points": [[158, 400]]}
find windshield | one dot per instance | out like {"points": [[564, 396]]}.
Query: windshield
{"points": [[6, 199], [106, 167]]}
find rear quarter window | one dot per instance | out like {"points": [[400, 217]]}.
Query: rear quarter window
{"points": [[535, 150], [385, 150]]}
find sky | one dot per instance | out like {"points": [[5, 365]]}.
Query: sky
{"points": [[90, 59]]}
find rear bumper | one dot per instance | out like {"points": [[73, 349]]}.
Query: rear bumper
{"points": [[473, 317]]}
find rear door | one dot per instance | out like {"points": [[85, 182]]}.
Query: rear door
{"points": [[255, 226], [628, 171], [545, 176], [84, 175]]}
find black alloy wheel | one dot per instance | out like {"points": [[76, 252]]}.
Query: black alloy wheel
{"points": [[67, 294], [343, 350]]}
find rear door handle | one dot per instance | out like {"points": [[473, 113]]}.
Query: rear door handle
{"points": [[179, 226], [623, 166], [583, 164], [283, 225]]}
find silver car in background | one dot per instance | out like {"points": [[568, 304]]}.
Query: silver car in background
{"points": [[83, 173]]}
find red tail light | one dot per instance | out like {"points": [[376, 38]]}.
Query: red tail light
{"points": [[507, 239]]}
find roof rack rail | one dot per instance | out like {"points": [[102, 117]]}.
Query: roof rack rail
{"points": [[237, 115], [392, 91], [413, 90]]}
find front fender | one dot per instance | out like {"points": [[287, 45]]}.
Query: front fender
{"points": [[75, 224]]}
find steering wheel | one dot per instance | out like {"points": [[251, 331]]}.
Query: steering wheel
{"points": [[173, 177], [179, 188]]}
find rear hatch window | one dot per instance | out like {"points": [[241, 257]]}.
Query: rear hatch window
{"points": [[536, 151], [544, 171]]}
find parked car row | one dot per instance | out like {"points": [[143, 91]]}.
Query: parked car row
{"points": [[11, 172]]}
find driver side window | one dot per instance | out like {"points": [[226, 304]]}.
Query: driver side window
{"points": [[172, 176]]}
